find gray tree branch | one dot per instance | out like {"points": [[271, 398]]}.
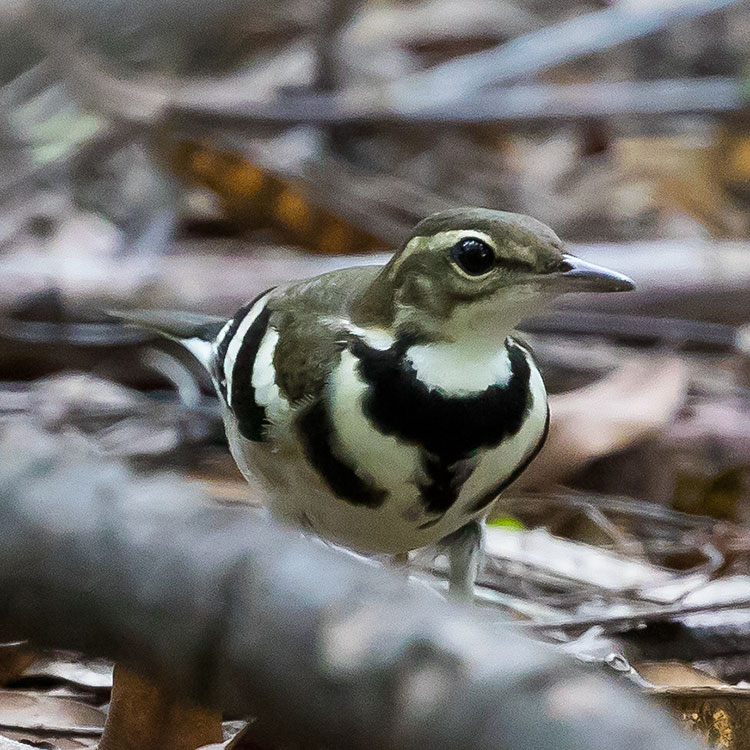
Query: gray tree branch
{"points": [[238, 613], [243, 615], [528, 55], [208, 103]]}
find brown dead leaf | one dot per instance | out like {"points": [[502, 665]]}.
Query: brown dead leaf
{"points": [[14, 659], [635, 402], [142, 715], [674, 674], [719, 715]]}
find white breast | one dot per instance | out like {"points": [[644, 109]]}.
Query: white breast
{"points": [[460, 369]]}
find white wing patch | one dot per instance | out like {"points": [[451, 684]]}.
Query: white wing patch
{"points": [[236, 343], [223, 332], [267, 393], [460, 369]]}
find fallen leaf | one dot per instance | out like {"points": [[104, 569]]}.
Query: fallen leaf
{"points": [[143, 715], [635, 402], [48, 715], [8, 744], [585, 564], [720, 715], [14, 659], [674, 674], [76, 670]]}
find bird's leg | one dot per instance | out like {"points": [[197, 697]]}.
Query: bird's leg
{"points": [[400, 563], [400, 559], [464, 549]]}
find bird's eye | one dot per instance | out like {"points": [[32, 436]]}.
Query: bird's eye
{"points": [[474, 256]]}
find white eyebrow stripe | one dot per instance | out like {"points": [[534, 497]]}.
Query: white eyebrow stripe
{"points": [[451, 236]]}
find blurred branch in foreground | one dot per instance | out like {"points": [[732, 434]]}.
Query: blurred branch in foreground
{"points": [[242, 615]]}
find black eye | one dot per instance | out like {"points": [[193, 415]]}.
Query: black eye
{"points": [[472, 255]]}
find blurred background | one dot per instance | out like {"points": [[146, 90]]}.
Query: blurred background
{"points": [[182, 154], [173, 155]]}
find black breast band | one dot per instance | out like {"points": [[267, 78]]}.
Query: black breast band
{"points": [[452, 427], [449, 429]]}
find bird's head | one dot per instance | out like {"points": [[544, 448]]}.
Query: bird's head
{"points": [[477, 272]]}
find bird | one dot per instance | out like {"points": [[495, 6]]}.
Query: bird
{"points": [[385, 408]]}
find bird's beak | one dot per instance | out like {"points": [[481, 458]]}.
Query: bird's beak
{"points": [[580, 276]]}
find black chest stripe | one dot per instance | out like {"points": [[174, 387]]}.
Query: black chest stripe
{"points": [[251, 417], [221, 351], [491, 494], [315, 430], [450, 427], [442, 482]]}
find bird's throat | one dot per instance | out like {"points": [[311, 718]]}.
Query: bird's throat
{"points": [[486, 324]]}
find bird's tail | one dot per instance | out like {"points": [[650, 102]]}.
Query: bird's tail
{"points": [[195, 331]]}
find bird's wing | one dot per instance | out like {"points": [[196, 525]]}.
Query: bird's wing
{"points": [[310, 318], [303, 314], [278, 350]]}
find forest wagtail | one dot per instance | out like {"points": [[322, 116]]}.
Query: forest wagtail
{"points": [[386, 407]]}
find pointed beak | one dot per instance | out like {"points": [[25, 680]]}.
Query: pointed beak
{"points": [[580, 276]]}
